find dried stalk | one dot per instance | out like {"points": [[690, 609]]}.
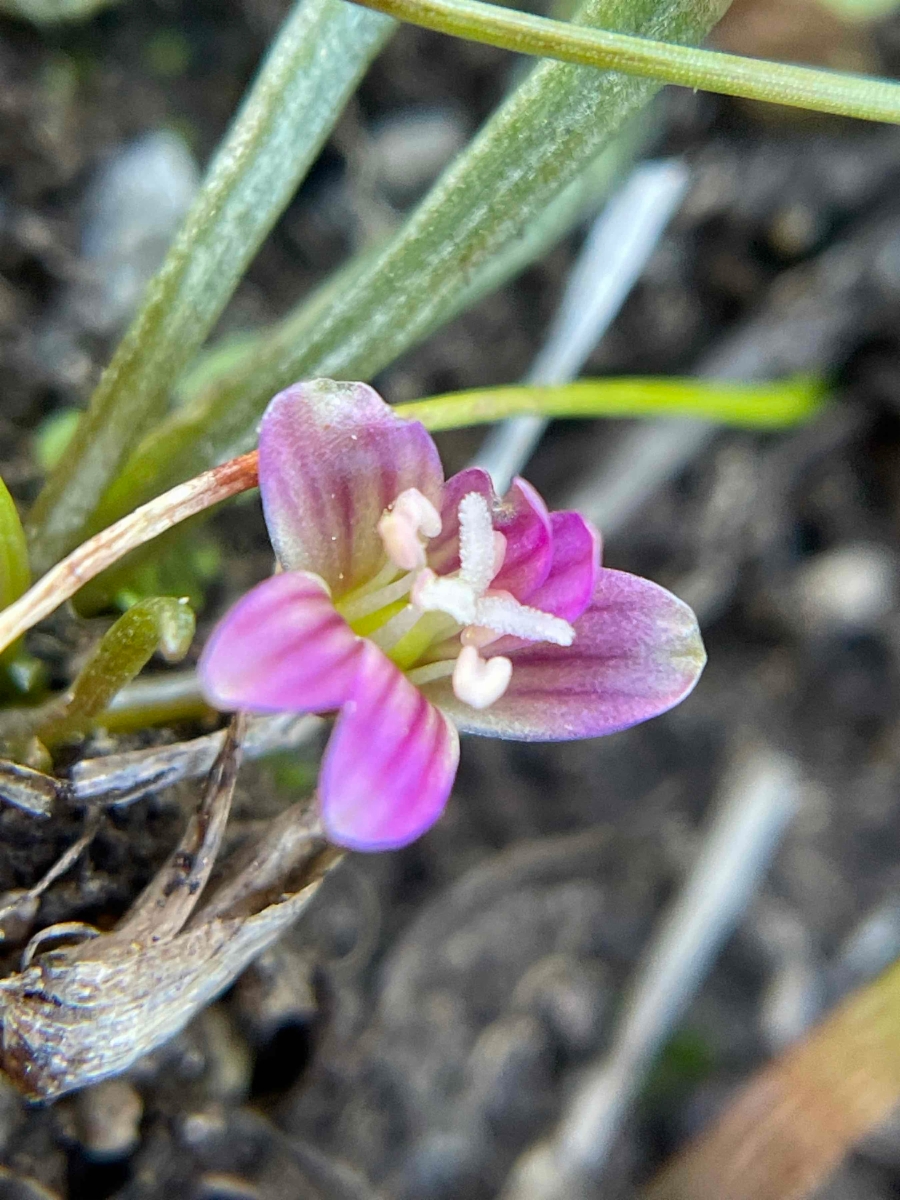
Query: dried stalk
{"points": [[86, 1012], [101, 551], [120, 779], [793, 1123]]}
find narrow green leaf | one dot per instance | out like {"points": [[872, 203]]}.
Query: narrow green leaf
{"points": [[731, 74], [478, 214], [53, 437], [49, 12], [862, 10], [749, 405], [161, 623], [15, 575], [20, 673], [313, 67]]}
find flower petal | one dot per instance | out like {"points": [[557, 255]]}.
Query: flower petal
{"points": [[637, 652], [332, 458], [390, 764], [567, 590], [525, 523], [521, 516], [282, 647]]}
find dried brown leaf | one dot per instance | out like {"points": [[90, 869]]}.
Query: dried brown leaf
{"points": [[86, 1012], [791, 1126]]}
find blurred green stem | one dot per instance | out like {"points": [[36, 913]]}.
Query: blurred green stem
{"points": [[752, 405], [161, 623], [708, 70]]}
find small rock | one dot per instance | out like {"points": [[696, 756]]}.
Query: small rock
{"points": [[849, 587], [16, 924], [204, 1127], [133, 208], [570, 996], [510, 1073], [868, 949], [108, 1117], [442, 1166], [409, 148]]}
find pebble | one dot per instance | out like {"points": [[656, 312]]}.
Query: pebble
{"points": [[510, 1072], [570, 996], [408, 149], [108, 1117], [850, 587], [132, 210], [868, 949]]}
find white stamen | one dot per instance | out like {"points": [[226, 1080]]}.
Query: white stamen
{"points": [[362, 605], [444, 593], [504, 614], [477, 548], [431, 671], [400, 527], [397, 627], [479, 682]]}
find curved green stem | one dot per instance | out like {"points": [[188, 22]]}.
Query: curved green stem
{"points": [[747, 405], [731, 74]]}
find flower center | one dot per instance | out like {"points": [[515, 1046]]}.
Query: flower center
{"points": [[432, 625]]}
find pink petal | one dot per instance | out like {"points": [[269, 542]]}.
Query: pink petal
{"points": [[521, 516], [443, 551], [637, 652], [567, 590], [390, 764], [332, 457], [524, 521], [282, 647]]}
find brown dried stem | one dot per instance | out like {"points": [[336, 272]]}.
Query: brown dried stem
{"points": [[107, 547]]}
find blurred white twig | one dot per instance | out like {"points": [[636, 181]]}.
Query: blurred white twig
{"points": [[804, 325], [613, 258], [757, 800]]}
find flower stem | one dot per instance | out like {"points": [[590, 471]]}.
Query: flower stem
{"points": [[731, 74], [748, 405]]}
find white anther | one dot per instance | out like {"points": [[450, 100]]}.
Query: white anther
{"points": [[477, 546], [504, 614], [478, 682], [444, 593], [411, 517]]}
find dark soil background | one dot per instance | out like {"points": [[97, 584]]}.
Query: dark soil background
{"points": [[425, 1024]]}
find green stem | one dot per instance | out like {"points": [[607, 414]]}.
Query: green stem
{"points": [[747, 405], [731, 74]]}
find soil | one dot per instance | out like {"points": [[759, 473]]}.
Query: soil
{"points": [[425, 1024]]}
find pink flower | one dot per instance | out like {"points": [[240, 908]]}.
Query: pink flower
{"points": [[416, 607]]}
